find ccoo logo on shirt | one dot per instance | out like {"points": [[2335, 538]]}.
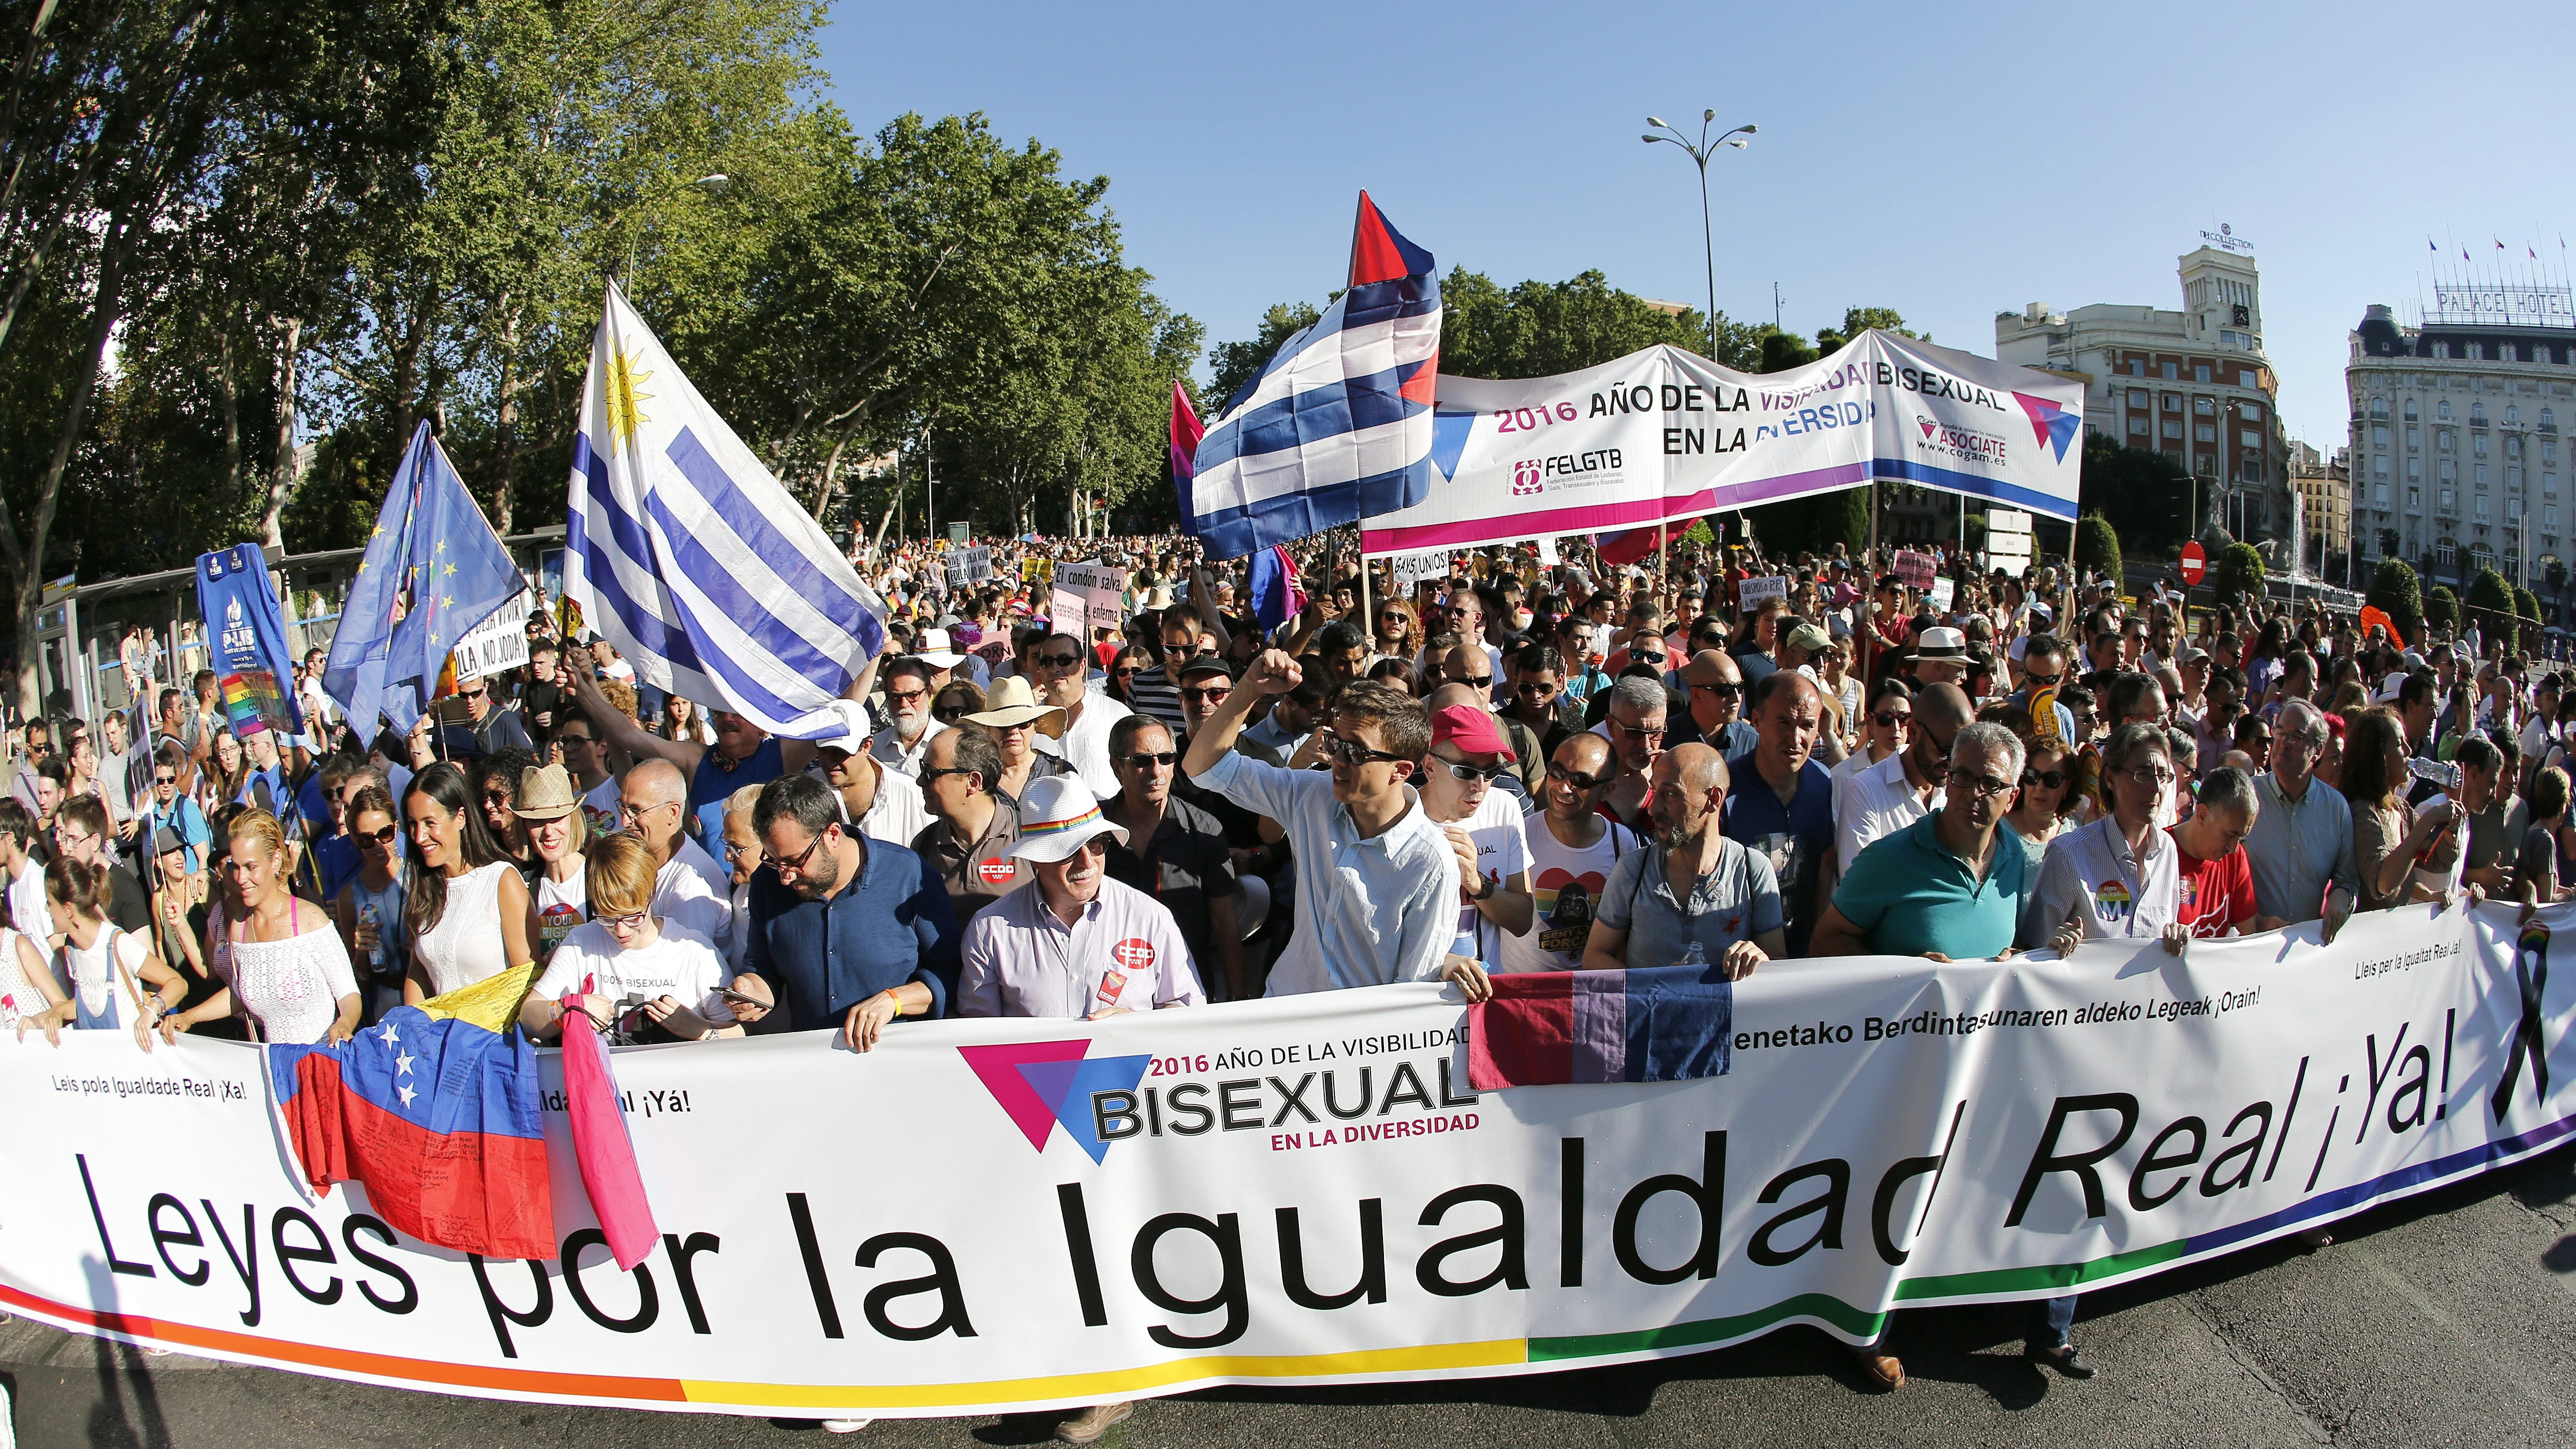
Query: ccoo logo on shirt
{"points": [[1134, 954], [994, 870]]}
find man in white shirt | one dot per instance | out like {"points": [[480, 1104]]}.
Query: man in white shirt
{"points": [[688, 885], [1906, 786], [26, 879], [886, 803], [1063, 671], [908, 691], [1483, 824], [1377, 888]]}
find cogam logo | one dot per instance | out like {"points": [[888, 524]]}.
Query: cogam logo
{"points": [[1526, 478], [2049, 423], [1045, 1083], [1928, 426]]}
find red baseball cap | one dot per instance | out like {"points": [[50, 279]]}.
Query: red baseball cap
{"points": [[1470, 729]]}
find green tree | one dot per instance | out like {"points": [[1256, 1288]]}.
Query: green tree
{"points": [[2395, 591], [2526, 607], [2490, 607], [1540, 329], [1780, 351], [2441, 608], [1857, 320], [2098, 544], [2238, 573]]}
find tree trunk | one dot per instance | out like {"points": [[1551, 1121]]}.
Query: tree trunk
{"points": [[289, 332], [228, 397], [30, 557], [504, 500]]}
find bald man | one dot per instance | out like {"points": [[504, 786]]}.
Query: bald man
{"points": [[1732, 908], [1572, 850], [1906, 786], [688, 886], [1716, 685]]}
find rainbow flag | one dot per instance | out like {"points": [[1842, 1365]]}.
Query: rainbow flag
{"points": [[1552, 1028], [252, 695], [435, 1110]]}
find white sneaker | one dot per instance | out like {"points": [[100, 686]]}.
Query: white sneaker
{"points": [[845, 1426]]}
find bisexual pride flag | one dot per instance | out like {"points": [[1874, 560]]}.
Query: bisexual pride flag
{"points": [[1552, 1028], [1338, 424], [435, 1111]]}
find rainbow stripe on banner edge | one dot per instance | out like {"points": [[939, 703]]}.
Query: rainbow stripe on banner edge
{"points": [[1455, 1360]]}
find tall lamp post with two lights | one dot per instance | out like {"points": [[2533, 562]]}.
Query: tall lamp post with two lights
{"points": [[1739, 138]]}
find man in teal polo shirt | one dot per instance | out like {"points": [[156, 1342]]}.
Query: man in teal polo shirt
{"points": [[1947, 886]]}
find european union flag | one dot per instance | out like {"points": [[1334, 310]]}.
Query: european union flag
{"points": [[433, 570]]}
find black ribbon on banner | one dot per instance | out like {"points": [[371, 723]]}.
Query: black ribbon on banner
{"points": [[2531, 971]]}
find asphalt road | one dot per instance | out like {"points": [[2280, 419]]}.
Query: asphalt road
{"points": [[2449, 1319]]}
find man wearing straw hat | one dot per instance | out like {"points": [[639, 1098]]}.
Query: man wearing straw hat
{"points": [[1073, 943]]}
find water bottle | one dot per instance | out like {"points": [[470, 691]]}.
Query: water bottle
{"points": [[1697, 956], [375, 954]]}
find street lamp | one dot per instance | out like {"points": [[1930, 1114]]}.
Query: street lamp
{"points": [[1739, 138], [713, 184]]}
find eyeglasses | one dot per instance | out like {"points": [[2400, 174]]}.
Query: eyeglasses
{"points": [[1392, 616], [1215, 695], [1461, 770], [1058, 661], [2051, 779], [906, 697], [2149, 776], [948, 713], [628, 921], [1579, 782], [574, 742], [929, 775], [71, 840], [1985, 785], [1350, 752], [1640, 731], [627, 811], [795, 864], [502, 801]]}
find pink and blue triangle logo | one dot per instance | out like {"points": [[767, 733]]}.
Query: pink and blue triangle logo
{"points": [[1044, 1084], [2050, 423]]}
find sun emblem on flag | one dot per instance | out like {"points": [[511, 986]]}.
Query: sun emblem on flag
{"points": [[624, 397]]}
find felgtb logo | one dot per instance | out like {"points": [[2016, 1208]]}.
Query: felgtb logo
{"points": [[1525, 478], [1133, 954]]}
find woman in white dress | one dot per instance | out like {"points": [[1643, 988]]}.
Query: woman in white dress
{"points": [[286, 972], [467, 911]]}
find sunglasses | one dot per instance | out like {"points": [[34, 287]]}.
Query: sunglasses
{"points": [[377, 837], [1531, 689], [165, 779], [1059, 661], [1124, 670], [1721, 689], [1215, 695], [1640, 731], [948, 713], [2050, 779], [1351, 752], [1893, 719], [1150, 762], [1481, 681], [1579, 782], [472, 693], [906, 697], [1461, 770]]}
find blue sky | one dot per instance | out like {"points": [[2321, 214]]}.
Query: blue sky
{"points": [[1949, 161]]}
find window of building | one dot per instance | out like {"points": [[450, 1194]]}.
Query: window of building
{"points": [[2513, 477], [2548, 419], [2204, 466], [2512, 414], [2245, 378], [2482, 475], [2512, 509], [2446, 553], [2410, 410], [2137, 367], [2379, 494], [2442, 410], [2477, 412], [2173, 402], [2447, 471], [2250, 438], [2379, 466], [2200, 372], [2480, 513], [2137, 397], [2173, 427], [2549, 516], [2549, 450], [2204, 432], [2206, 407], [2173, 370], [2442, 439], [2478, 444], [2415, 468], [2450, 500], [2379, 407], [2414, 499], [2138, 427], [2413, 439], [2548, 485], [2379, 435]]}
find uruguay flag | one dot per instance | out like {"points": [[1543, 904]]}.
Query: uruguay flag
{"points": [[1338, 425], [687, 555]]}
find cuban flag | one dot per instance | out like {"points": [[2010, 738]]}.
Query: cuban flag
{"points": [[687, 555], [1337, 426]]}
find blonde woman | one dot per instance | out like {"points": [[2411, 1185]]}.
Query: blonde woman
{"points": [[288, 976], [108, 969], [558, 834]]}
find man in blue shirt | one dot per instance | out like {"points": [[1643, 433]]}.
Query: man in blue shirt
{"points": [[1782, 805], [847, 931]]}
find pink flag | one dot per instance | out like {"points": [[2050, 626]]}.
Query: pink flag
{"points": [[601, 1143]]}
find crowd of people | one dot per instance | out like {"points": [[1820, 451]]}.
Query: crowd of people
{"points": [[1708, 758]]}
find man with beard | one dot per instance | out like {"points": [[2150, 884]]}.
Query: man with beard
{"points": [[908, 691], [847, 931], [1692, 886]]}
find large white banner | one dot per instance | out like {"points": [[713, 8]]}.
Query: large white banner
{"points": [[1665, 433], [991, 1215]]}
